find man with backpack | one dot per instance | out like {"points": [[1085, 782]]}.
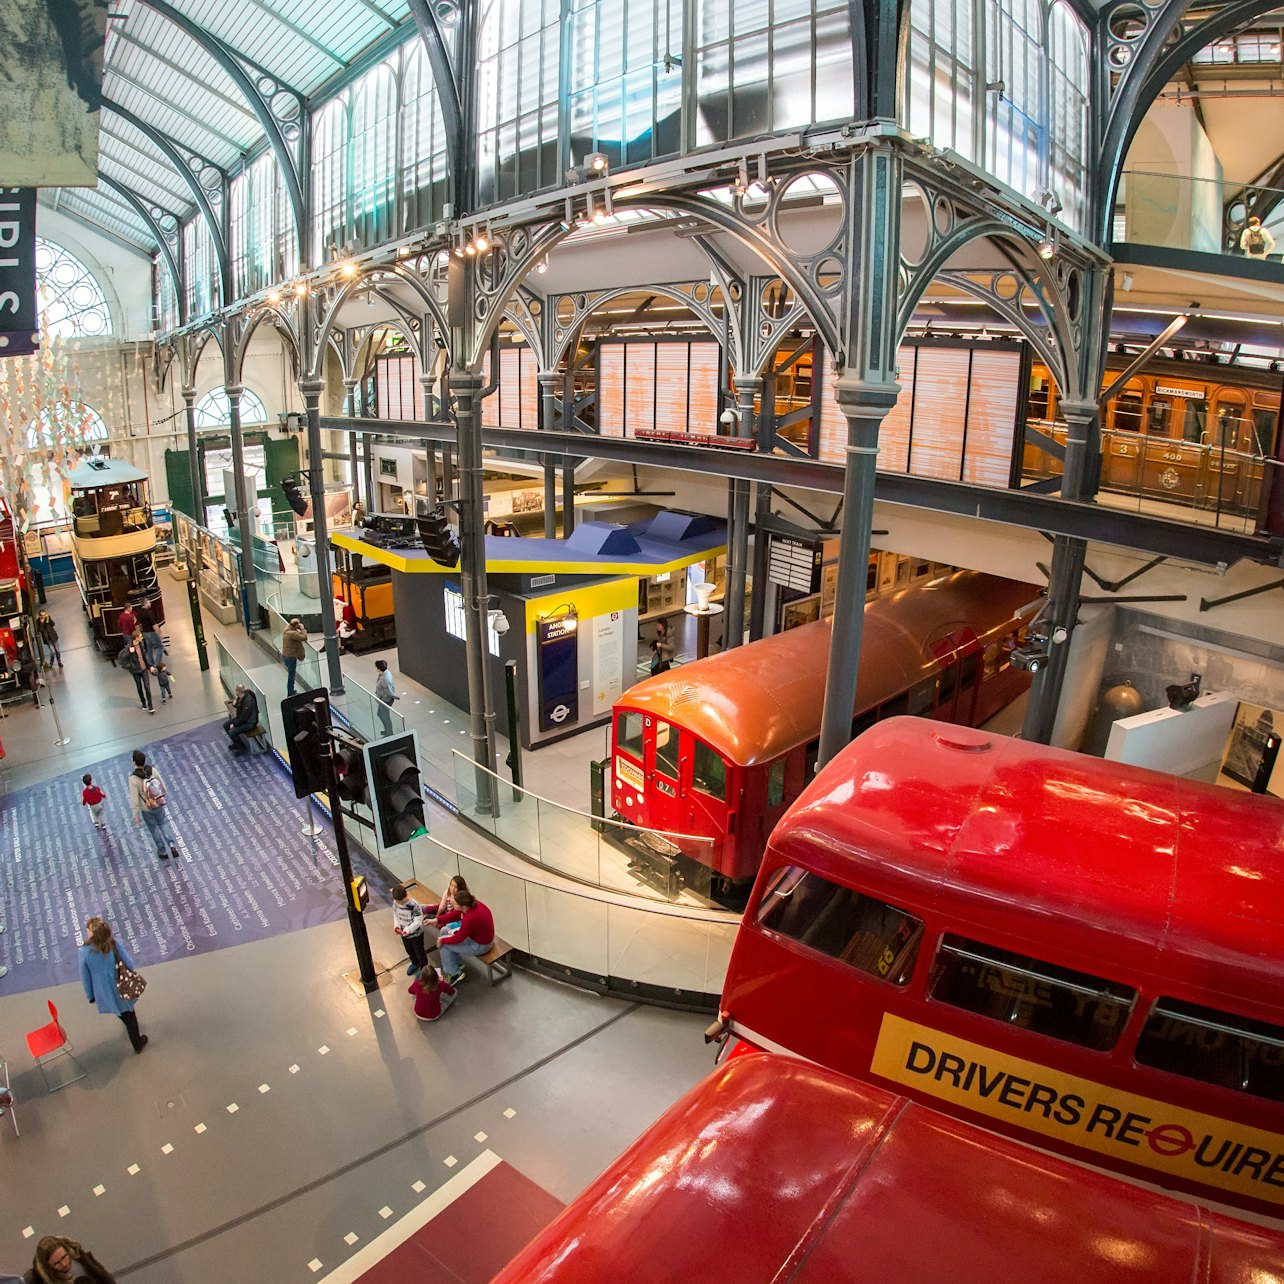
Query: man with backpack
{"points": [[1256, 241], [147, 799]]}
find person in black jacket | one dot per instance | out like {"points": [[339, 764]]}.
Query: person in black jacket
{"points": [[48, 631], [245, 717], [59, 1258]]}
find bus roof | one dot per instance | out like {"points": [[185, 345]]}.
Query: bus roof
{"points": [[1092, 860], [775, 1169], [752, 703]]}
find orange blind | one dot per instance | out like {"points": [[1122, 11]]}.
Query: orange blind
{"points": [[940, 404], [610, 390], [639, 388], [991, 417], [671, 387]]}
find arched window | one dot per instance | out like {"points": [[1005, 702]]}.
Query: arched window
{"points": [[72, 303], [70, 423], [423, 142], [374, 154], [1068, 103], [329, 176], [212, 409]]}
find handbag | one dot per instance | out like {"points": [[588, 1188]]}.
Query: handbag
{"points": [[129, 984]]}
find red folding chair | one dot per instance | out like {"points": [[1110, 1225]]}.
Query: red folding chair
{"points": [[49, 1042]]}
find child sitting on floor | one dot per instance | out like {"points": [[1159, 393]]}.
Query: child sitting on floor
{"points": [[433, 994]]}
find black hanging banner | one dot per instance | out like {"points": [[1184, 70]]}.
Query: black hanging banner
{"points": [[18, 318]]}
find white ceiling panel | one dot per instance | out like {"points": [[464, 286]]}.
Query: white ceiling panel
{"points": [[122, 141], [102, 211]]}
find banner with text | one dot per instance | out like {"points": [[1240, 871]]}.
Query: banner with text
{"points": [[18, 316]]}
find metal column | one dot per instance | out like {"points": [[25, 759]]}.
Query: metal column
{"points": [[312, 390], [244, 506]]}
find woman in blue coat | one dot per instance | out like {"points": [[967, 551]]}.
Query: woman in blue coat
{"points": [[98, 974]]}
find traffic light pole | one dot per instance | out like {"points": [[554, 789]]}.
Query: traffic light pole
{"points": [[356, 919]]}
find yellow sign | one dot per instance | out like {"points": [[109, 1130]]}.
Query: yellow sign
{"points": [[630, 775], [1080, 1112]]}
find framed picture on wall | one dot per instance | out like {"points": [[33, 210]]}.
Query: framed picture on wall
{"points": [[1252, 759]]}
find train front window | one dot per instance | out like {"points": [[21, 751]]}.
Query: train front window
{"points": [[666, 748], [1214, 1047], [1026, 992], [628, 734], [867, 934], [709, 772]]}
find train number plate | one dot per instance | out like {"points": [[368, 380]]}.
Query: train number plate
{"points": [[663, 786]]}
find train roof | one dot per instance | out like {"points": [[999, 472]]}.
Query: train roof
{"points": [[774, 1169], [1103, 860], [100, 470], [754, 702]]}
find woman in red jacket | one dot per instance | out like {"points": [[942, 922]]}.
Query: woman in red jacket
{"points": [[473, 934]]}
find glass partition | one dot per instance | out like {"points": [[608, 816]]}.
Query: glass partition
{"points": [[1207, 214], [670, 867], [231, 674]]}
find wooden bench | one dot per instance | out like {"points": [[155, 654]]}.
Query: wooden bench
{"points": [[498, 968], [258, 740]]}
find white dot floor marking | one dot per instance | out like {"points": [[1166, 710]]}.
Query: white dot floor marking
{"points": [[385, 1212], [233, 1108], [450, 1161], [479, 1136], [323, 1049], [350, 1239], [315, 1265], [28, 1232], [199, 1128], [418, 1187], [352, 1029], [167, 1149], [64, 1211], [294, 1069], [265, 1087], [379, 1012], [509, 1113], [133, 1170], [100, 1190]]}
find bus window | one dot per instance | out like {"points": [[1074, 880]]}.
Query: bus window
{"points": [[862, 932], [1026, 992], [1214, 1047], [628, 734], [666, 748], [709, 772], [776, 783]]}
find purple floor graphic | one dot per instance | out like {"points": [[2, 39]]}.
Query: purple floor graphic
{"points": [[246, 872]]}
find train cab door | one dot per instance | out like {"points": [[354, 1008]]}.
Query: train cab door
{"points": [[960, 679], [703, 792], [662, 765]]}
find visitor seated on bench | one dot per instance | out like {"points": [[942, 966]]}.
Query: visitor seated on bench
{"points": [[474, 934], [245, 718]]}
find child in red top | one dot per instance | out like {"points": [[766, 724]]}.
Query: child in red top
{"points": [[92, 797], [432, 994]]}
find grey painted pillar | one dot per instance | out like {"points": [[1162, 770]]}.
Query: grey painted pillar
{"points": [[194, 467], [738, 532], [244, 503], [354, 438], [547, 414], [865, 405], [312, 390], [465, 386], [568, 495], [758, 608], [426, 382], [1065, 577]]}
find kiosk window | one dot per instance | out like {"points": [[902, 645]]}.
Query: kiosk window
{"points": [[862, 932], [628, 734], [1018, 990], [709, 772], [1214, 1047], [666, 748]]}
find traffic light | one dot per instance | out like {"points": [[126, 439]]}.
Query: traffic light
{"points": [[437, 538], [397, 801], [307, 731], [350, 771], [294, 495]]}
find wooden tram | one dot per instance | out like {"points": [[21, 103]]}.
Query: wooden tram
{"points": [[1080, 954], [113, 546], [1190, 433], [772, 1171], [710, 755]]}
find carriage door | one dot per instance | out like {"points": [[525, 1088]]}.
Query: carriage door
{"points": [[960, 680], [663, 767]]}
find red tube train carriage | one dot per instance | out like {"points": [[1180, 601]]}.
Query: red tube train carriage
{"points": [[772, 1170], [1070, 951], [712, 753]]}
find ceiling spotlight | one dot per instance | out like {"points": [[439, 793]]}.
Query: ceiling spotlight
{"points": [[301, 289], [274, 297], [482, 242], [597, 162], [347, 268], [541, 266], [1047, 249], [1275, 367], [469, 248]]}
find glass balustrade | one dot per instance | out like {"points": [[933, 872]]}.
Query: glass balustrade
{"points": [[1205, 214]]}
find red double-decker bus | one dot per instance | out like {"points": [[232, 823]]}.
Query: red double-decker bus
{"points": [[1070, 951], [773, 1171]]}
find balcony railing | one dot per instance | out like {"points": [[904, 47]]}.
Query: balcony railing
{"points": [[1184, 213]]}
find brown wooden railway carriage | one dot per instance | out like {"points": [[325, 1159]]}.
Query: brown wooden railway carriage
{"points": [[718, 749]]}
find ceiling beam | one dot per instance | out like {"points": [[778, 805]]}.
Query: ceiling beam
{"points": [[171, 263]]}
